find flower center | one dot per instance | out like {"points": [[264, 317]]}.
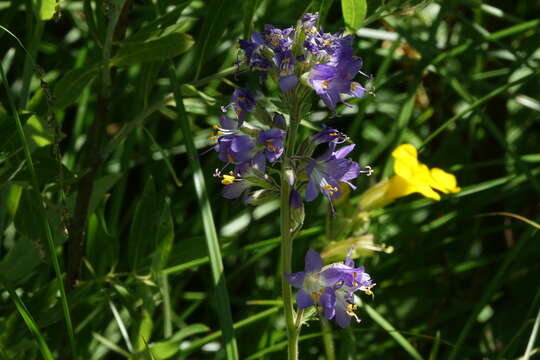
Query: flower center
{"points": [[313, 286], [271, 146]]}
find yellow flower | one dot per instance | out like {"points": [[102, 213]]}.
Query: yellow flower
{"points": [[410, 176]]}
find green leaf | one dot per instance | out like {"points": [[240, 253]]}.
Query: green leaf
{"points": [[161, 22], [168, 46], [142, 233], [45, 8], [167, 349], [354, 13], [71, 86]]}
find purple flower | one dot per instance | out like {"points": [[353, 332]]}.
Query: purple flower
{"points": [[253, 51], [329, 170], [273, 143], [285, 64], [242, 101], [330, 81], [354, 277], [327, 287], [315, 284], [309, 22], [278, 39], [235, 148], [344, 307], [329, 135], [235, 185]]}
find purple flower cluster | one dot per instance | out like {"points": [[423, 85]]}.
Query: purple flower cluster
{"points": [[247, 148], [326, 64], [327, 59], [331, 287]]}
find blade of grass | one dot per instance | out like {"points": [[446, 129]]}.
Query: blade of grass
{"points": [[532, 338], [29, 320], [212, 242], [391, 330], [112, 346], [435, 349], [121, 326], [43, 216]]}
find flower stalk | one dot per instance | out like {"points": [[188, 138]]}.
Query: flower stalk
{"points": [[286, 238]]}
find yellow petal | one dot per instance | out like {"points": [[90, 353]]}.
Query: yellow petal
{"points": [[398, 187], [405, 160], [443, 181]]}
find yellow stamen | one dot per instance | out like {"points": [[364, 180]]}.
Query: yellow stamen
{"points": [[353, 86], [325, 84], [330, 190], [227, 179], [271, 146]]}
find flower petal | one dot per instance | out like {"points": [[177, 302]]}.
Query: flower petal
{"points": [[313, 261], [303, 300], [344, 151], [311, 191], [296, 279], [328, 303], [234, 190], [332, 276], [342, 319], [443, 181]]}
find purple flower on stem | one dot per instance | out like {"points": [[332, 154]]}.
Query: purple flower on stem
{"points": [[354, 277], [252, 51], [273, 142], [309, 22], [242, 102], [328, 135], [330, 81], [278, 39], [315, 284], [235, 148], [328, 287], [345, 306], [329, 170], [235, 185]]}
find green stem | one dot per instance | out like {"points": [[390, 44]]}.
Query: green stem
{"points": [[327, 339], [286, 239]]}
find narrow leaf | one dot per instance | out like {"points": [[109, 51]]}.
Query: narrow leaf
{"points": [[162, 48], [71, 86]]}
